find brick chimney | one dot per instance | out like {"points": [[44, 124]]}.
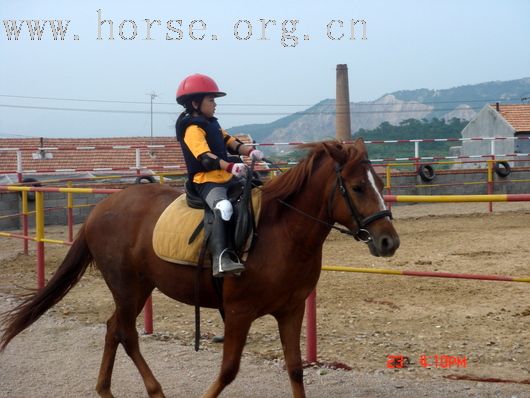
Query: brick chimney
{"points": [[343, 125]]}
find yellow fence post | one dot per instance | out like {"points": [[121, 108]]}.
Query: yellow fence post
{"points": [[388, 184], [25, 227], [490, 183], [39, 236]]}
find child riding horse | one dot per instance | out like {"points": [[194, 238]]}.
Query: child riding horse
{"points": [[204, 145]]}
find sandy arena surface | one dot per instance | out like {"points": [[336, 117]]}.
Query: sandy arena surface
{"points": [[362, 319]]}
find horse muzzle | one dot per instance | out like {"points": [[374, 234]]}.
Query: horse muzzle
{"points": [[383, 245]]}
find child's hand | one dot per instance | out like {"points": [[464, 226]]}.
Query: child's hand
{"points": [[237, 169], [256, 154]]}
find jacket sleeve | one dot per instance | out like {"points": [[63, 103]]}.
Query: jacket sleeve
{"points": [[195, 140], [227, 137]]}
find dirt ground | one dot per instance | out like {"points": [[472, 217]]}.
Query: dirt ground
{"points": [[363, 319]]}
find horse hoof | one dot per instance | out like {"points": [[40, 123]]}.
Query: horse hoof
{"points": [[218, 339]]}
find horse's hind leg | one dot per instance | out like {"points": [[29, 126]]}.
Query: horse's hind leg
{"points": [[107, 363], [121, 328]]}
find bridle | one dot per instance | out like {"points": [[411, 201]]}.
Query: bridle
{"points": [[361, 233]]}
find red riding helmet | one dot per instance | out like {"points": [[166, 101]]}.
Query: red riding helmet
{"points": [[197, 85]]}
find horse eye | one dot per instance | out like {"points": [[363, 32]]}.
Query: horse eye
{"points": [[357, 189]]}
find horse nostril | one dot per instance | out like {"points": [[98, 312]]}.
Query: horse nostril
{"points": [[388, 245]]}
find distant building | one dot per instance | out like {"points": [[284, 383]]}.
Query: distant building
{"points": [[502, 121], [90, 156], [53, 161]]}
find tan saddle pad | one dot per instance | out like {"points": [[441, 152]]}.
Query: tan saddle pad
{"points": [[177, 223]]}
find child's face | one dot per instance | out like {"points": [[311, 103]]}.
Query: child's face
{"points": [[208, 106]]}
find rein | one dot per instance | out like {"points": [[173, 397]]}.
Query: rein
{"points": [[361, 234], [341, 230]]}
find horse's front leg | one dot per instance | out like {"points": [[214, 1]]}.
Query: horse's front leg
{"points": [[237, 326], [290, 325]]}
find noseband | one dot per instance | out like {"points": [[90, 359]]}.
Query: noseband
{"points": [[361, 234]]}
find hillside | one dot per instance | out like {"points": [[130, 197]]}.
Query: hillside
{"points": [[411, 129], [318, 121]]}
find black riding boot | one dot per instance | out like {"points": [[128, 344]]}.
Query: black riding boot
{"points": [[224, 260]]}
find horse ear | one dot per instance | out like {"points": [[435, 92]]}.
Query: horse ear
{"points": [[336, 151], [360, 147], [359, 144]]}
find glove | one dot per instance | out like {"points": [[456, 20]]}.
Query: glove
{"points": [[237, 169], [256, 154]]}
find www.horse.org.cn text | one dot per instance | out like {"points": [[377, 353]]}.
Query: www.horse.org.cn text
{"points": [[287, 31]]}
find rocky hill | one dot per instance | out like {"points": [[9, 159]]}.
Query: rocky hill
{"points": [[318, 121]]}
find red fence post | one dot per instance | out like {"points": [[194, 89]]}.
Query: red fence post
{"points": [[311, 327], [388, 174], [40, 265], [70, 212]]}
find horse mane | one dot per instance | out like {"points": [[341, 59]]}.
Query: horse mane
{"points": [[293, 180]]}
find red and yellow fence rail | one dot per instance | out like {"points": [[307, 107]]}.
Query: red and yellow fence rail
{"points": [[386, 271], [457, 198]]}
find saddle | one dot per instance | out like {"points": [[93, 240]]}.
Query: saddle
{"points": [[179, 233]]}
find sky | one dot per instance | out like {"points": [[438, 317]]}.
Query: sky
{"points": [[272, 58]]}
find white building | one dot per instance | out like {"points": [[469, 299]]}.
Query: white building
{"points": [[504, 122]]}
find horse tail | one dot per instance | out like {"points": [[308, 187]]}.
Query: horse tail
{"points": [[34, 305]]}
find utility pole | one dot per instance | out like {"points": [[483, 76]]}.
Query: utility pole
{"points": [[153, 95]]}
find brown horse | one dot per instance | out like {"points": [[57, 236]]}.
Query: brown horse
{"points": [[334, 183]]}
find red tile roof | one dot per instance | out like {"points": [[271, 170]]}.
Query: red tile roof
{"points": [[68, 157], [518, 115]]}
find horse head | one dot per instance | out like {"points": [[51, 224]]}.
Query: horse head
{"points": [[355, 198]]}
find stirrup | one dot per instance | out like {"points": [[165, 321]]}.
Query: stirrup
{"points": [[233, 268]]}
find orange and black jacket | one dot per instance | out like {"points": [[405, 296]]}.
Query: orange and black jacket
{"points": [[197, 136]]}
